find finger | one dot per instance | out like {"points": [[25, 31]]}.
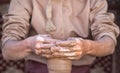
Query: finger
{"points": [[67, 54], [45, 35], [65, 49], [71, 38], [46, 51], [66, 43], [71, 54], [50, 40], [75, 38], [61, 54], [37, 52], [47, 55], [59, 49], [43, 39], [77, 57], [69, 58], [46, 46]]}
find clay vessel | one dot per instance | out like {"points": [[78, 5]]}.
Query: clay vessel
{"points": [[56, 65]]}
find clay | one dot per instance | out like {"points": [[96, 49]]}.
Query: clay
{"points": [[56, 65]]}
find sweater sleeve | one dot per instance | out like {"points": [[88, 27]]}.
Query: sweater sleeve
{"points": [[102, 22], [16, 22]]}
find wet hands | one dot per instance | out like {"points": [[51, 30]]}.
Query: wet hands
{"points": [[41, 44], [73, 49]]}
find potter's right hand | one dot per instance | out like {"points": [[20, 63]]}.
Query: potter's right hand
{"points": [[72, 49]]}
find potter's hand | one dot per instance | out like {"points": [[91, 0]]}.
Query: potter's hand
{"points": [[38, 41], [73, 48]]}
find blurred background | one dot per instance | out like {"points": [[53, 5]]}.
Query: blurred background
{"points": [[108, 64]]}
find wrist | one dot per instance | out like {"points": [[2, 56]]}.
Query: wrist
{"points": [[28, 44], [88, 44]]}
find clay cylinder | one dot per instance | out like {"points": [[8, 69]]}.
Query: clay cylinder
{"points": [[59, 65]]}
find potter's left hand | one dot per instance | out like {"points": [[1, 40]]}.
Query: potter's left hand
{"points": [[73, 48]]}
